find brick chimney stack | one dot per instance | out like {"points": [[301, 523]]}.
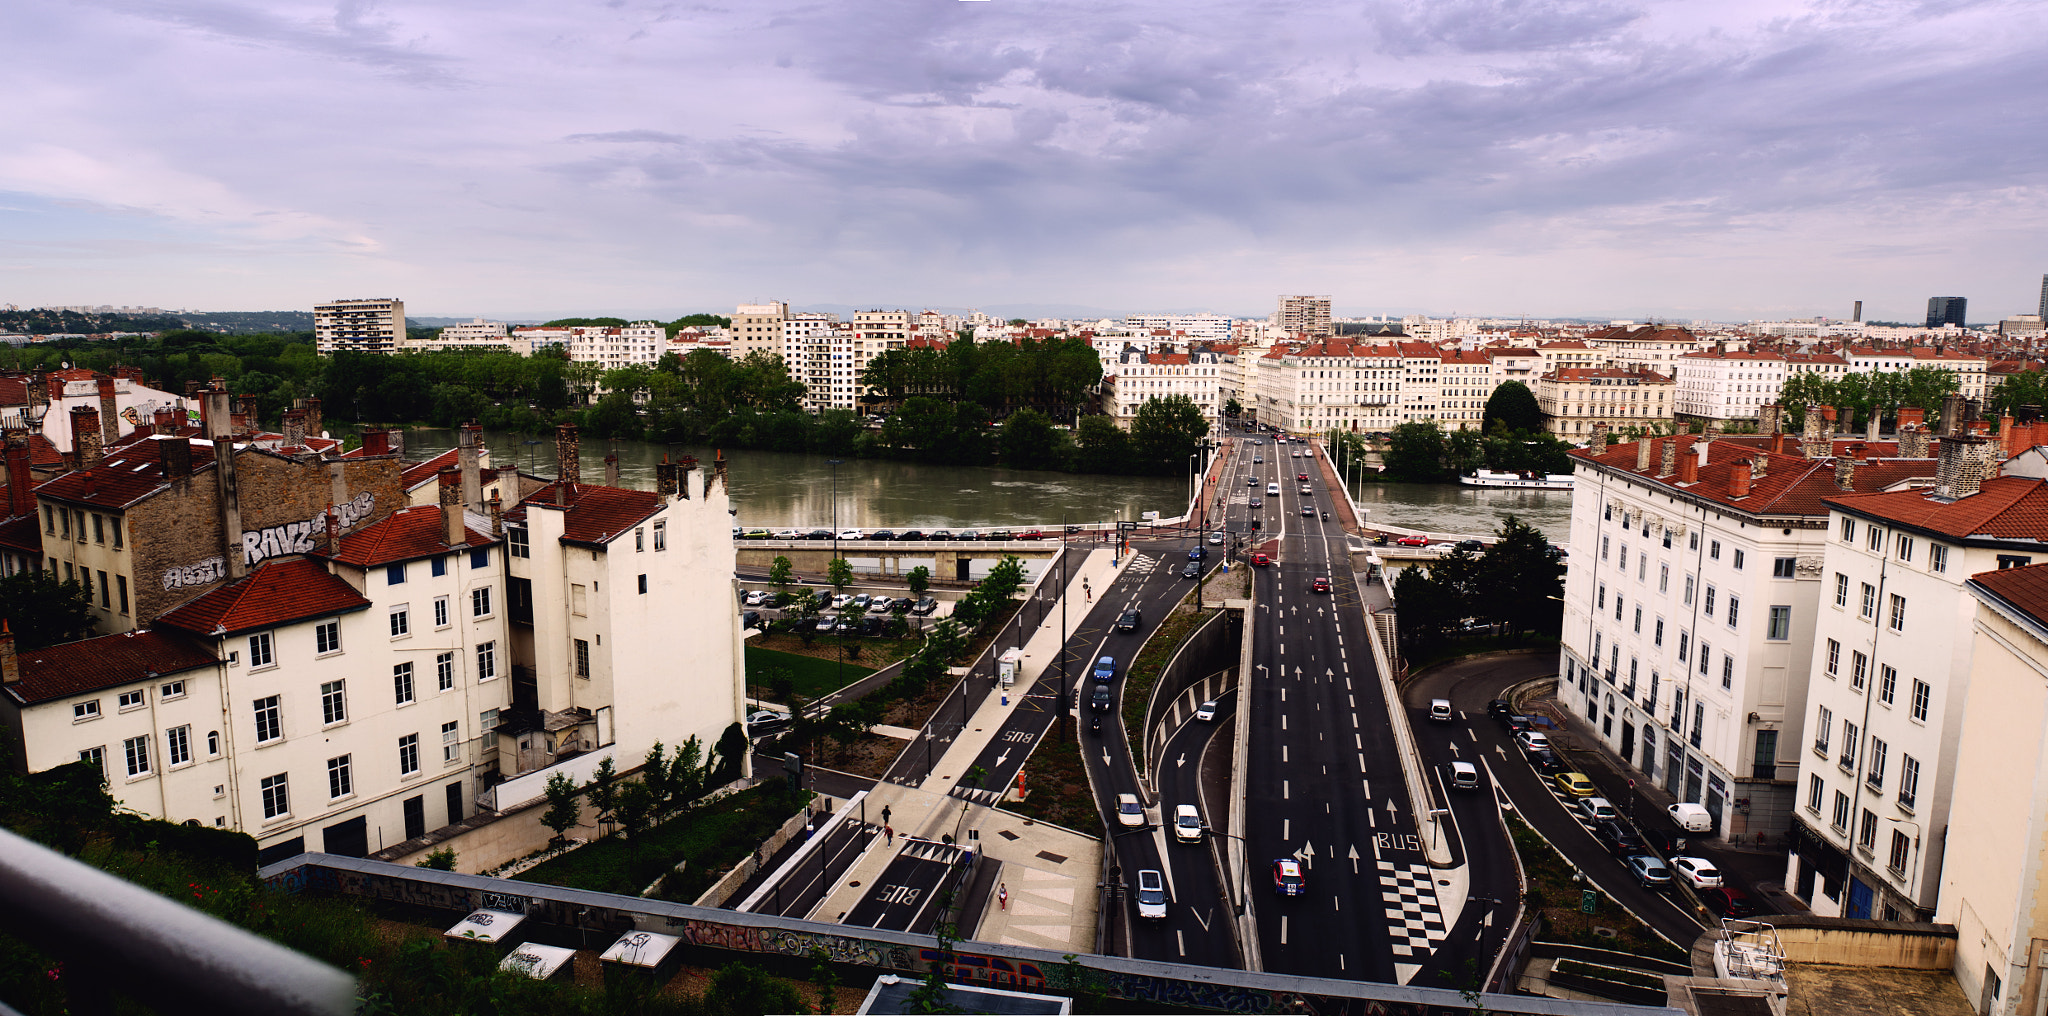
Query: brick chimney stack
{"points": [[452, 532], [1670, 462], [1813, 441], [1598, 445], [21, 498], [294, 428], [1689, 464], [85, 436], [1845, 472], [314, 423], [38, 401], [1643, 454], [665, 477], [469, 446], [10, 664], [1738, 480], [110, 414], [174, 454], [1770, 419], [376, 441], [611, 470], [568, 454], [1911, 416]]}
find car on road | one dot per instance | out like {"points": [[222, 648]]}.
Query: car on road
{"points": [[1440, 709], [756, 534], [1499, 710], [755, 598], [1216, 538], [882, 534], [1105, 669], [1515, 723], [1287, 878], [1463, 776], [900, 605], [1304, 491], [1151, 894], [849, 534], [1725, 901], [1031, 534], [1000, 534], [910, 534], [1251, 481], [881, 604], [1651, 872], [925, 607], [1102, 699], [1198, 553], [762, 721], [1443, 548], [1257, 441], [1206, 712], [1308, 510], [1130, 620], [789, 534], [1620, 840], [1473, 546], [1412, 541], [1193, 570], [1598, 809], [1187, 823], [1303, 477], [967, 535], [1296, 454], [1261, 560], [1698, 871], [848, 623], [750, 619], [1128, 811], [860, 601], [1319, 585], [1532, 740], [1258, 460], [1574, 784], [939, 536], [1547, 764], [840, 600], [818, 534]]}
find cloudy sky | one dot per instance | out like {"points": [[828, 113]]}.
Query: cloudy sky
{"points": [[1730, 159]]}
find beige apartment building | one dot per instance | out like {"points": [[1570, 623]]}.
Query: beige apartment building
{"points": [[758, 327], [359, 326], [1304, 315], [1576, 399]]}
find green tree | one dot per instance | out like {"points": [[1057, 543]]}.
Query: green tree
{"points": [[656, 777], [636, 807], [920, 579], [604, 791], [1232, 409], [564, 809], [1165, 432], [839, 573], [741, 990], [781, 574], [1415, 453], [1029, 441], [1100, 446], [438, 860], [1521, 559], [1513, 407], [42, 611], [825, 977]]}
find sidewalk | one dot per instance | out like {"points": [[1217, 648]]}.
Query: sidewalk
{"points": [[1050, 872]]}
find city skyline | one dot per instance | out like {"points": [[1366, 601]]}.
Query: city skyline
{"points": [[1593, 160]]}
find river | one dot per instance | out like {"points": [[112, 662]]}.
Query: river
{"points": [[776, 490]]}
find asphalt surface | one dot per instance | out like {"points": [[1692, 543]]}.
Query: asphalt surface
{"points": [[909, 895], [807, 885]]}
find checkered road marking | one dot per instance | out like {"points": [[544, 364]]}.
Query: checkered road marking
{"points": [[1415, 923]]}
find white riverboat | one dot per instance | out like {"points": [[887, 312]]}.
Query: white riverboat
{"points": [[1522, 479]]}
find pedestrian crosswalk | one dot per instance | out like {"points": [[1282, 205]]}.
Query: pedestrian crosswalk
{"points": [[1143, 564], [978, 795], [1415, 921]]}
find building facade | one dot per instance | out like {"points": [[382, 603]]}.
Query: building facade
{"points": [[1717, 386], [359, 326], [758, 327], [1576, 400], [1303, 315]]}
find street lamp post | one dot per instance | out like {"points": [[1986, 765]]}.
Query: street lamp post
{"points": [[838, 641], [1245, 852], [1064, 733]]}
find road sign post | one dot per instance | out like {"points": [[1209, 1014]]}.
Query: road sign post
{"points": [[1589, 901]]}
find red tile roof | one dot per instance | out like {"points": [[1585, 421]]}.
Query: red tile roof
{"points": [[596, 514], [2004, 508], [125, 476], [1791, 485], [404, 535], [22, 533], [79, 668], [418, 473], [1589, 373], [1716, 354], [2024, 589], [278, 592]]}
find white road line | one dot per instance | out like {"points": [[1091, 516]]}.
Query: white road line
{"points": [[1284, 795], [1351, 700], [1283, 649], [1358, 740], [1283, 721], [1347, 684], [1283, 629], [1283, 753], [1336, 903], [1368, 787], [1354, 719], [1361, 761], [1283, 929], [1283, 694], [1286, 828]]}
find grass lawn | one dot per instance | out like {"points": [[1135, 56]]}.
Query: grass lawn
{"points": [[711, 837], [1555, 898], [814, 676], [1144, 670], [1058, 787]]}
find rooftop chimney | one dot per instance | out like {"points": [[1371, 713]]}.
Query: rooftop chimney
{"points": [[1669, 464], [1845, 473], [1643, 454], [1738, 480], [469, 443], [1960, 466], [239, 410], [665, 477], [1760, 466], [1599, 441], [38, 400], [294, 428], [497, 516], [110, 414], [314, 422], [85, 436], [10, 665], [683, 470], [568, 455], [611, 470], [1912, 416], [1689, 463], [164, 420], [21, 498], [228, 492], [174, 454], [376, 441], [1951, 415], [1813, 437], [1912, 442], [1770, 418], [1870, 428], [452, 532]]}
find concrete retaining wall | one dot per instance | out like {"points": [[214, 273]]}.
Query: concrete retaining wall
{"points": [[1846, 942]]}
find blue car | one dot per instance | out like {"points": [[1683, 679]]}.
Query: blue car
{"points": [[1105, 669]]}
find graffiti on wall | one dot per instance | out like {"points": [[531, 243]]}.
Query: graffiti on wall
{"points": [[212, 569], [272, 541]]}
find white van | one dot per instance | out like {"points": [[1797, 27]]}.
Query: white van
{"points": [[1464, 776], [1272, 490], [1187, 823], [1692, 818], [1440, 709]]}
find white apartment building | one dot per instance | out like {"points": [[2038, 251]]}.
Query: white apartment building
{"points": [[1421, 381], [1200, 327], [1334, 385], [1515, 363], [359, 326], [1691, 596], [1303, 315], [1646, 348], [1465, 382], [808, 341], [1828, 365], [473, 334], [1578, 400], [1138, 376], [758, 327], [1720, 386], [1891, 674], [639, 344], [1559, 353]]}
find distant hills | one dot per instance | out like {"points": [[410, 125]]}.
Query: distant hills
{"points": [[67, 322]]}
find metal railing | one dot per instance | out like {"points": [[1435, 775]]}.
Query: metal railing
{"points": [[117, 937]]}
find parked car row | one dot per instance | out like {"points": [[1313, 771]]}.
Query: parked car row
{"points": [[826, 600]]}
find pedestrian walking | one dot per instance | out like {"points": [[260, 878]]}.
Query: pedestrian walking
{"points": [[889, 835], [1003, 895]]}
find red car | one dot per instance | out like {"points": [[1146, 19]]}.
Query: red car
{"points": [[1412, 541], [1031, 534], [1320, 585], [1727, 902], [1261, 560], [1303, 477]]}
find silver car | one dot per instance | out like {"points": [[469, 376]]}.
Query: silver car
{"points": [[1151, 894]]}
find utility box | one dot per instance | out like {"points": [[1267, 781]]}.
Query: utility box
{"points": [[1009, 664]]}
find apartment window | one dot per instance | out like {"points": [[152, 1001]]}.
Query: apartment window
{"points": [[480, 602], [1621, 562], [1706, 656], [1663, 578], [1937, 560], [1851, 739], [1874, 539], [394, 574], [178, 745], [640, 540], [401, 684], [1738, 560], [408, 754], [1714, 550], [1657, 633], [1600, 599], [487, 721], [106, 596], [130, 700], [1667, 539], [451, 741], [1905, 547], [1816, 793], [259, 650], [121, 592], [1866, 837], [1684, 643], [1848, 530], [660, 536], [1639, 620], [277, 800], [439, 567], [486, 661], [1734, 609], [2013, 561], [1727, 671], [1869, 608], [1841, 816], [1873, 769], [1596, 649], [1909, 780], [1823, 723], [50, 521], [1780, 627], [333, 702], [327, 637], [1605, 546], [1921, 694], [137, 751], [643, 584], [1859, 667], [1897, 862], [1688, 590], [515, 541], [341, 781], [1693, 542], [582, 658], [1782, 567], [1608, 512], [1898, 618], [269, 724], [401, 620], [444, 671], [440, 612], [480, 558], [1708, 604], [213, 744], [1841, 590], [96, 756], [1699, 722]]}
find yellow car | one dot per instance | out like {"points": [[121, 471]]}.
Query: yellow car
{"points": [[1575, 784]]}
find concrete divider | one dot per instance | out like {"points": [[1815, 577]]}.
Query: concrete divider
{"points": [[1189, 666], [1234, 851], [1420, 802], [723, 889]]}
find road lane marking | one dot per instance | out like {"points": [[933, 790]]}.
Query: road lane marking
{"points": [[1368, 787], [1181, 942], [1283, 929], [1358, 740], [1283, 790], [1283, 753], [1283, 721], [1286, 828], [1354, 719]]}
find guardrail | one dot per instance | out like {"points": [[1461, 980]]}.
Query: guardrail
{"points": [[117, 937]]}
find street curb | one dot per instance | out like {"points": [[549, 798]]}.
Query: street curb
{"points": [[1247, 923], [1419, 799]]}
